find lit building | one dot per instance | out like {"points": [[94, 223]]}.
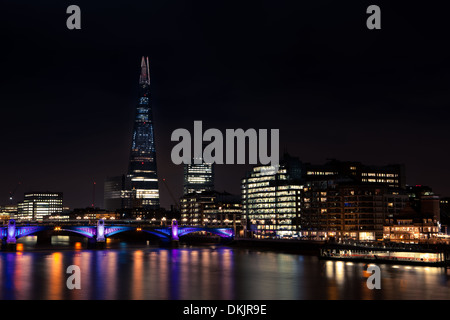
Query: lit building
{"points": [[192, 208], [347, 211], [142, 176], [222, 213], [58, 216], [271, 203], [8, 212], [339, 200], [392, 176], [93, 214], [350, 200], [198, 177], [420, 221], [139, 187], [210, 208], [37, 205], [411, 227]]}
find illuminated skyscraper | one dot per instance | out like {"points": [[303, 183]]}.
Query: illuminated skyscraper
{"points": [[142, 178], [198, 177], [271, 202]]}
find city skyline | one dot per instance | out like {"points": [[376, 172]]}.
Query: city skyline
{"points": [[224, 158], [330, 86]]}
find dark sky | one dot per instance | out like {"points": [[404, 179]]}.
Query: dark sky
{"points": [[313, 70]]}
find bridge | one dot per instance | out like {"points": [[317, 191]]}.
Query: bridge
{"points": [[98, 233]]}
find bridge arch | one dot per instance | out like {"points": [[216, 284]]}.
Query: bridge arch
{"points": [[29, 230], [112, 230], [161, 235], [164, 233], [24, 231], [88, 232], [222, 232]]}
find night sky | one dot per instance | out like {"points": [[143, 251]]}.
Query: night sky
{"points": [[334, 88]]}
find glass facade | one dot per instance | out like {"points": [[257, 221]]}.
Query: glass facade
{"points": [[37, 205], [198, 178], [115, 195], [271, 203], [142, 179], [324, 203]]}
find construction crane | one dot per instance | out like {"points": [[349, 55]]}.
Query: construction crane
{"points": [[12, 193], [177, 205]]}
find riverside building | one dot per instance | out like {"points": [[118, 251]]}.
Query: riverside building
{"points": [[271, 203], [337, 200], [211, 208], [37, 205]]}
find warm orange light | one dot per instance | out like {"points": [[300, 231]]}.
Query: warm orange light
{"points": [[139, 229], [57, 228], [77, 245], [19, 247]]}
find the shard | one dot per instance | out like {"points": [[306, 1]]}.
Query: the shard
{"points": [[142, 178]]}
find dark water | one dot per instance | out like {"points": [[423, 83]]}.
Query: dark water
{"points": [[127, 271]]}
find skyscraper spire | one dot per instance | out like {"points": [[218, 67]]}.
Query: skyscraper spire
{"points": [[148, 71], [145, 73], [142, 172]]}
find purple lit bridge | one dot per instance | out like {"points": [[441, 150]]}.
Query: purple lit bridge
{"points": [[97, 233]]}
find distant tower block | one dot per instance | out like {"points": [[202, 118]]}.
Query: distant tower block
{"points": [[198, 177]]}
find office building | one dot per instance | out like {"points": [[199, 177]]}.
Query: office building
{"points": [[93, 214], [211, 208], [37, 205], [392, 176], [410, 226], [198, 177], [343, 211], [338, 200], [271, 203], [8, 212], [116, 195]]}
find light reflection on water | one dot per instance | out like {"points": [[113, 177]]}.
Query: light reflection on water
{"points": [[145, 272]]}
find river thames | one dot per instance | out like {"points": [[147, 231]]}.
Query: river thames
{"points": [[126, 271]]}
